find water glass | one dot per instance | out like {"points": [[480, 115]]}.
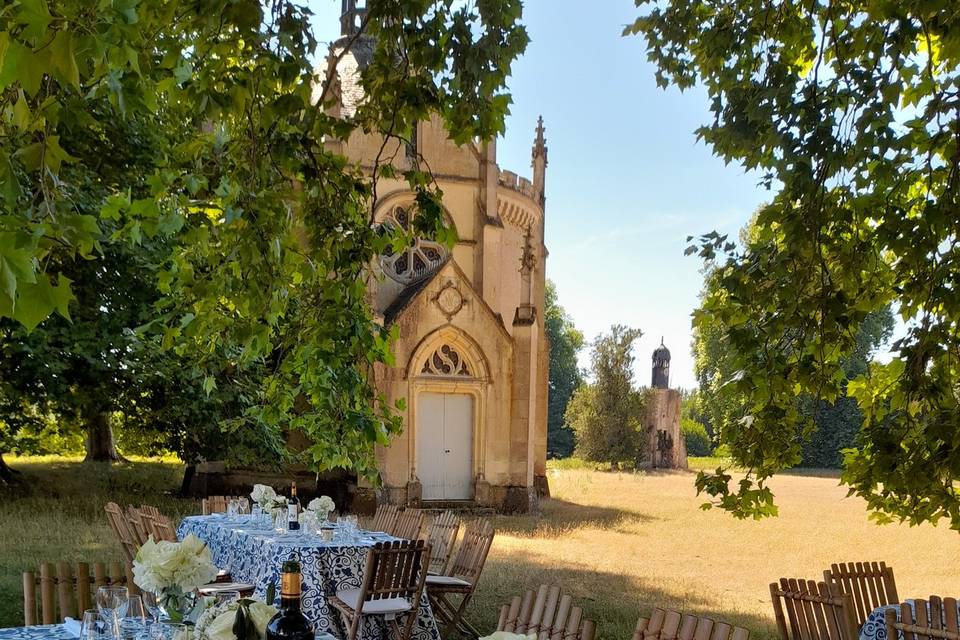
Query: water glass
{"points": [[232, 508], [133, 618], [93, 626], [109, 603], [243, 507], [152, 606]]}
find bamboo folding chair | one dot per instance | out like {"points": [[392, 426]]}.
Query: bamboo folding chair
{"points": [[392, 587], [408, 525], [66, 591], [461, 578], [121, 528], [385, 519], [869, 584], [812, 612], [936, 620], [217, 504], [666, 624], [548, 613], [442, 534]]}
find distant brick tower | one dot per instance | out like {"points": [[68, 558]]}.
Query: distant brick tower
{"points": [[666, 448]]}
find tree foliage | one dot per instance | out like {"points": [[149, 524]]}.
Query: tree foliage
{"points": [[566, 341], [849, 112], [607, 414], [269, 232]]}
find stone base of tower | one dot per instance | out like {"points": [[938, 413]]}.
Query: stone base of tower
{"points": [[666, 448]]}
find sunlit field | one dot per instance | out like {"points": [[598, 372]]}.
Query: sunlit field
{"points": [[620, 543]]}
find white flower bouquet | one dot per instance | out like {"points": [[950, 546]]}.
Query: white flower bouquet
{"points": [[321, 507], [263, 495], [172, 571], [243, 619]]}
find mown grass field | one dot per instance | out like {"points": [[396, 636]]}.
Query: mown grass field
{"points": [[619, 542]]}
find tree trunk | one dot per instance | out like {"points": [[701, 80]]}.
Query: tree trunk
{"points": [[7, 475], [100, 444], [188, 474]]}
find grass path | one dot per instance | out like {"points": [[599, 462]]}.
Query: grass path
{"points": [[618, 542]]}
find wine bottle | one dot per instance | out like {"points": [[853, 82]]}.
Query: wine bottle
{"points": [[290, 623], [293, 509]]}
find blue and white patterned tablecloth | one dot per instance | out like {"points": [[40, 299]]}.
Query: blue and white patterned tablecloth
{"points": [[255, 556], [39, 632], [875, 628]]}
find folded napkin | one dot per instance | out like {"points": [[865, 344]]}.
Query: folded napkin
{"points": [[72, 627]]}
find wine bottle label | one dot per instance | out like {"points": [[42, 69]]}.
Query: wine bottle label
{"points": [[290, 585], [292, 512]]}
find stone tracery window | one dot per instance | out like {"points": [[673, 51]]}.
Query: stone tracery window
{"points": [[445, 361], [416, 262]]}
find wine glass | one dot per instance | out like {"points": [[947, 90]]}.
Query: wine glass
{"points": [[152, 606], [92, 625], [243, 507], [232, 510], [109, 601], [133, 617]]}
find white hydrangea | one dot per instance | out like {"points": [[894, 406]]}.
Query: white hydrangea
{"points": [[216, 623], [263, 495], [164, 565], [321, 505]]}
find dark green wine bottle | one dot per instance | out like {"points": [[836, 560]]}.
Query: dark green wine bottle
{"points": [[290, 623]]}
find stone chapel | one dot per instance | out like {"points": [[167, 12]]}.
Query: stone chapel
{"points": [[472, 356]]}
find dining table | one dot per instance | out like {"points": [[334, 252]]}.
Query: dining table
{"points": [[253, 552], [875, 627], [37, 632]]}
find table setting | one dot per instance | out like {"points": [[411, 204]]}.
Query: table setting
{"points": [[875, 627]]}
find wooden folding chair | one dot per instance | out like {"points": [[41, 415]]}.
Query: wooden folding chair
{"points": [[121, 528], [461, 578], [666, 624], [68, 592], [216, 504], [392, 586], [442, 534], [869, 584], [812, 612], [936, 620], [548, 613], [408, 525], [385, 519]]}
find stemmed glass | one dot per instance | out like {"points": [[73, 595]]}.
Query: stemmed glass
{"points": [[232, 508], [92, 625], [152, 606], [133, 617], [109, 602]]}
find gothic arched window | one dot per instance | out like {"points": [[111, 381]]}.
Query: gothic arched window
{"points": [[416, 262]]}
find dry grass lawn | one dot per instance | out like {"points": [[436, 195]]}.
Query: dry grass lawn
{"points": [[623, 543], [620, 543]]}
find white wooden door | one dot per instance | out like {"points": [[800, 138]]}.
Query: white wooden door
{"points": [[445, 445]]}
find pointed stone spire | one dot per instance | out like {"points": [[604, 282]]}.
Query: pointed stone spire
{"points": [[539, 163]]}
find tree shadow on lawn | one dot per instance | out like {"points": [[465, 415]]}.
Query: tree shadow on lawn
{"points": [[558, 516], [613, 601]]}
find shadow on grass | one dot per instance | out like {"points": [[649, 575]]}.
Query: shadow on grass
{"points": [[613, 601], [559, 516]]}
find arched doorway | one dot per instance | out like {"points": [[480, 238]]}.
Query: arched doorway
{"points": [[447, 384]]}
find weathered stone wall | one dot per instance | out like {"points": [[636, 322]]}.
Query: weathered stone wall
{"points": [[666, 448]]}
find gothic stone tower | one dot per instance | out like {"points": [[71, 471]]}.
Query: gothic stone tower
{"points": [[471, 360], [666, 448]]}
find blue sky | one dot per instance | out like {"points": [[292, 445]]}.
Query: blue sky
{"points": [[627, 181]]}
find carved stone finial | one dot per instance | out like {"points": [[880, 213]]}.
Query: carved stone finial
{"points": [[528, 259], [540, 142]]}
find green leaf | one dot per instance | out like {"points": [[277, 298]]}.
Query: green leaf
{"points": [[9, 183], [36, 301], [63, 59], [35, 16]]}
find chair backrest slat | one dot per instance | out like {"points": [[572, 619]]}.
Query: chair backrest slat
{"points": [[66, 591], [385, 519], [408, 524], [939, 622], [121, 528], [869, 584], [472, 554], [666, 624], [807, 610], [547, 613], [442, 535]]}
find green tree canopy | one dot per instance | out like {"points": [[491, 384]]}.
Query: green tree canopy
{"points": [[270, 233], [848, 111], [566, 341], [607, 414]]}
